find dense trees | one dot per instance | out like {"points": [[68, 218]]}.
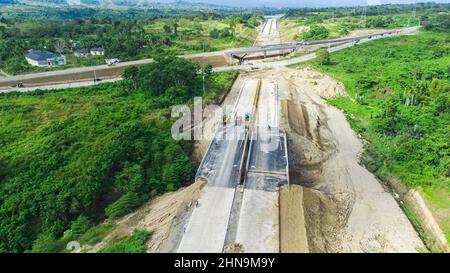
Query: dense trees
{"points": [[125, 39], [403, 100], [316, 32], [175, 78], [440, 22], [375, 10], [71, 156]]}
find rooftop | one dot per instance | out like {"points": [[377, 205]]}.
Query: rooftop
{"points": [[40, 55], [82, 51]]}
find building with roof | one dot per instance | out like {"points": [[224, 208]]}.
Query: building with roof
{"points": [[45, 58], [98, 51], [81, 53]]}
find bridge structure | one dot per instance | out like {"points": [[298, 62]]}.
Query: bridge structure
{"points": [[284, 49]]}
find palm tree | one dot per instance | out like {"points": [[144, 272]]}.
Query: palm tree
{"points": [[59, 46]]}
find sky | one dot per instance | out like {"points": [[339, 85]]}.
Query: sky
{"points": [[307, 3]]}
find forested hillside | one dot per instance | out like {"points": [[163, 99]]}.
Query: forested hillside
{"points": [[400, 103], [98, 151]]}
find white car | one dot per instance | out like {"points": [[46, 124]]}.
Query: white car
{"points": [[112, 61]]}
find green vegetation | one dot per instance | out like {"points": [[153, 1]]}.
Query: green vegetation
{"points": [[92, 151], [316, 33], [135, 243], [124, 39], [95, 234], [400, 102], [336, 22], [126, 204], [45, 243], [323, 56], [80, 226]]}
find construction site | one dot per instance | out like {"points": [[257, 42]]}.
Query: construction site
{"points": [[280, 173]]}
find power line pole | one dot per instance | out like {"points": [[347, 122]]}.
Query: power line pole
{"points": [[413, 14], [362, 22]]}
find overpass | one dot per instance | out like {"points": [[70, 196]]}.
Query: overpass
{"points": [[287, 48]]}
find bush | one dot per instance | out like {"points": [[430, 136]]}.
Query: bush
{"points": [[323, 56], [127, 203], [80, 226], [131, 244], [95, 234], [130, 179], [45, 243], [316, 33]]}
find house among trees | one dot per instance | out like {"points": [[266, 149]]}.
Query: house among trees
{"points": [[81, 53], [97, 51], [45, 58]]}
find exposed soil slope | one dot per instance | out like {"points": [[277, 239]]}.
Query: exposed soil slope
{"points": [[346, 208]]}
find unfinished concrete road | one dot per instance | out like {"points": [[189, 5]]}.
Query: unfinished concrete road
{"points": [[269, 33], [267, 167], [207, 227]]}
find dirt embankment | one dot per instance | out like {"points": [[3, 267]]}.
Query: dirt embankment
{"points": [[292, 221], [346, 208], [164, 216], [415, 202]]}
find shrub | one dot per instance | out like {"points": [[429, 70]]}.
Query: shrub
{"points": [[124, 205], [131, 244], [80, 226], [315, 33], [323, 56]]}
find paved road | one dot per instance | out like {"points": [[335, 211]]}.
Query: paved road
{"points": [[276, 46], [257, 65], [59, 86], [86, 73]]}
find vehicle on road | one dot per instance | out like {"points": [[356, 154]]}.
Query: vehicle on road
{"points": [[19, 85], [112, 61]]}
